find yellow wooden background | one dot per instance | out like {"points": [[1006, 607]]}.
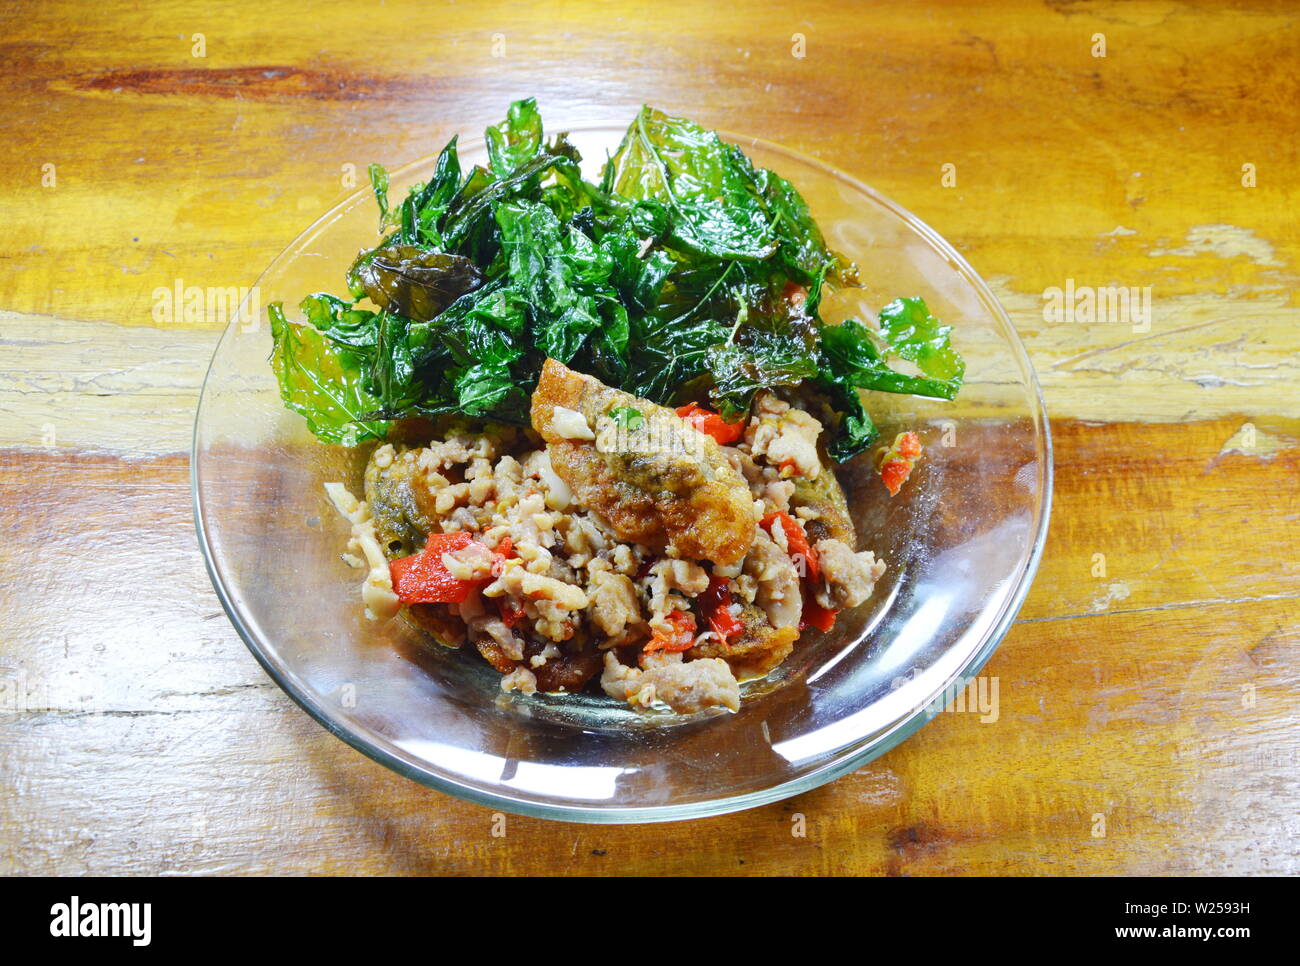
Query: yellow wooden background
{"points": [[1148, 717]]}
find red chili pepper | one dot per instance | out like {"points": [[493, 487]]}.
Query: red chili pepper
{"points": [[894, 473], [796, 540], [681, 638], [896, 463], [715, 605], [907, 445], [423, 578], [507, 608], [711, 424], [815, 615], [510, 611]]}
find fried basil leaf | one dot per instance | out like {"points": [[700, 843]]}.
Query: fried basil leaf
{"points": [[516, 139], [486, 326], [766, 361], [803, 252], [379, 185], [639, 268], [417, 283], [421, 214], [397, 377], [490, 389], [850, 427], [356, 329], [563, 275], [479, 196], [695, 176], [686, 272], [322, 381], [606, 354], [626, 417], [912, 333], [668, 354], [907, 330]]}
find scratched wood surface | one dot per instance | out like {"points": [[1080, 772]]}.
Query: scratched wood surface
{"points": [[1148, 718]]}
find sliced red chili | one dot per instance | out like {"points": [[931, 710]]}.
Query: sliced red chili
{"points": [[896, 462], [907, 445], [796, 541], [711, 424], [715, 606], [894, 473], [815, 615], [423, 578], [510, 611], [680, 636]]}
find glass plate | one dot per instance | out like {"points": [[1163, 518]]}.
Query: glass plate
{"points": [[962, 542]]}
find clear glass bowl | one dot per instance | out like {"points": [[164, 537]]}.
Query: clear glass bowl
{"points": [[962, 542]]}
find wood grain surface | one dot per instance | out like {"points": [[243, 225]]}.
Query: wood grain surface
{"points": [[1148, 719]]}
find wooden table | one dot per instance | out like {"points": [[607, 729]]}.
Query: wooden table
{"points": [[1148, 716]]}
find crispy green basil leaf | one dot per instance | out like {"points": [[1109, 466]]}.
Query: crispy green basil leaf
{"points": [[416, 282], [479, 196], [356, 329], [421, 214], [850, 427], [626, 417], [668, 354], [490, 389], [767, 361], [685, 273], [564, 276], [803, 252], [912, 333], [909, 332], [322, 381], [694, 175], [516, 139], [379, 185]]}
